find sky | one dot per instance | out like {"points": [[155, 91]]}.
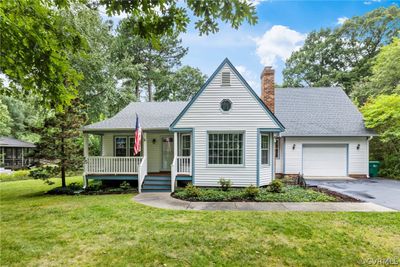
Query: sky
{"points": [[281, 29]]}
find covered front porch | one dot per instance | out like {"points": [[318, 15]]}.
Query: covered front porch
{"points": [[165, 157]]}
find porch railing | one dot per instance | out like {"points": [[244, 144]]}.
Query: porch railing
{"points": [[112, 165], [184, 165]]}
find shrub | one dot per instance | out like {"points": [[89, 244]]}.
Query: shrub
{"points": [[45, 172], [15, 176], [225, 184], [276, 186], [251, 192], [192, 191], [125, 185]]}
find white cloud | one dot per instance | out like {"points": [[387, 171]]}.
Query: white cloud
{"points": [[341, 20], [225, 38], [249, 76], [371, 1], [278, 43]]}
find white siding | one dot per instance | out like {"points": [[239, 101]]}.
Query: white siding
{"points": [[358, 158], [246, 115], [107, 145]]}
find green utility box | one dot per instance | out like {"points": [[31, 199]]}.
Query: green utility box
{"points": [[374, 168]]}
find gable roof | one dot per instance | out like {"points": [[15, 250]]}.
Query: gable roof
{"points": [[246, 85], [152, 116], [12, 142], [324, 111]]}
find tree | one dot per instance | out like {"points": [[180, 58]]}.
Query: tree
{"points": [[180, 85], [342, 56], [97, 89], [152, 19], [383, 114], [385, 78], [141, 64], [60, 138], [37, 41], [35, 44], [5, 120]]}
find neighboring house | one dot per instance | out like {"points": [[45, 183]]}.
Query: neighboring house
{"points": [[227, 131], [14, 153]]}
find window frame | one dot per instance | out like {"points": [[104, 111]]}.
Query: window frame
{"points": [[182, 148], [238, 165], [268, 149]]}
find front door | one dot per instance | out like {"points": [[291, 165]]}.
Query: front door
{"points": [[167, 152]]}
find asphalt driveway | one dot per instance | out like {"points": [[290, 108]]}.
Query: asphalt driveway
{"points": [[381, 191]]}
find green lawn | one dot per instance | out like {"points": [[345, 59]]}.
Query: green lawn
{"points": [[112, 230]]}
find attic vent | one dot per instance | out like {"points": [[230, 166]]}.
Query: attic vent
{"points": [[226, 78]]}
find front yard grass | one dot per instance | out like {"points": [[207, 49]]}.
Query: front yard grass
{"points": [[289, 194], [113, 230]]}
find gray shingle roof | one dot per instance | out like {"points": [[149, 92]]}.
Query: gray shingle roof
{"points": [[325, 111], [152, 116], [12, 142], [303, 112]]}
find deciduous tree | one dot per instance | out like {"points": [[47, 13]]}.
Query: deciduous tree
{"points": [[342, 56], [383, 114], [180, 85]]}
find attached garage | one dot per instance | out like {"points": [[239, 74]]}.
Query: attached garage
{"points": [[325, 160]]}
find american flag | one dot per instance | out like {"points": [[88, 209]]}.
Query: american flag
{"points": [[138, 137]]}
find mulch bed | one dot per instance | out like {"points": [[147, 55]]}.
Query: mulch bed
{"points": [[338, 196]]}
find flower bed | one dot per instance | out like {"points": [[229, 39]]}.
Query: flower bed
{"points": [[290, 193]]}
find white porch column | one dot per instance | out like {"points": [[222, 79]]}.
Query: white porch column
{"points": [[85, 155], [145, 150], [175, 159]]}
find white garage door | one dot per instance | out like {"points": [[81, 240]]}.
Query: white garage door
{"points": [[324, 160]]}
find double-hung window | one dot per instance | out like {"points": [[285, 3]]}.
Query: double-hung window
{"points": [[225, 148], [123, 146], [265, 149]]}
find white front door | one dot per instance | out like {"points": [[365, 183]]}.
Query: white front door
{"points": [[167, 152], [324, 160]]}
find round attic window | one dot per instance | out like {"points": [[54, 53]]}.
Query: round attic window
{"points": [[226, 105]]}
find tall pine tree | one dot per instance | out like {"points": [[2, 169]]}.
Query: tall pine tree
{"points": [[61, 140]]}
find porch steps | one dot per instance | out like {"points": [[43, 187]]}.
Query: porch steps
{"points": [[156, 184]]}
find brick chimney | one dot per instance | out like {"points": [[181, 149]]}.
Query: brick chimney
{"points": [[268, 87]]}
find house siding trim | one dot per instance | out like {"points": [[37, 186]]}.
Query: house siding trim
{"points": [[246, 85]]}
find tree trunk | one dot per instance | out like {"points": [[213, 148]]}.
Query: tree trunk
{"points": [[137, 92], [63, 184], [149, 90]]}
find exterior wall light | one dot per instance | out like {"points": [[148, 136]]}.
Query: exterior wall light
{"points": [[358, 146], [294, 146], [154, 141]]}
